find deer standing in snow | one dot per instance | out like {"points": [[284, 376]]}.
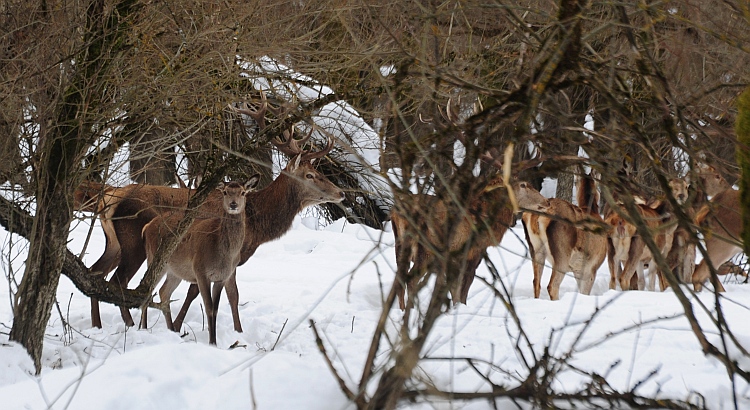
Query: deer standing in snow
{"points": [[487, 218], [124, 211], [626, 249], [208, 254], [566, 237]]}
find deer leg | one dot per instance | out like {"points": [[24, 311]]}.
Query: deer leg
{"points": [[468, 279], [412, 284], [719, 252], [165, 293], [632, 263], [403, 260], [103, 266], [204, 286], [651, 284], [663, 284], [614, 266], [538, 258], [127, 269], [538, 266], [233, 296], [558, 274], [96, 318], [143, 324], [192, 293], [688, 263], [640, 272], [215, 298], [538, 252]]}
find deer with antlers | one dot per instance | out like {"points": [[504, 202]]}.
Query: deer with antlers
{"points": [[569, 237], [209, 252], [269, 213]]}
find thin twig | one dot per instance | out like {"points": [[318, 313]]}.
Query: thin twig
{"points": [[279, 336], [342, 384]]}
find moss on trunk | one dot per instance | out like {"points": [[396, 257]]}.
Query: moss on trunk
{"points": [[742, 127]]}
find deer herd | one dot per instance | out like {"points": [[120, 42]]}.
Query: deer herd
{"points": [[236, 219]]}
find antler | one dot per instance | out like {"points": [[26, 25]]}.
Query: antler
{"points": [[286, 143], [292, 146], [258, 113], [309, 156]]}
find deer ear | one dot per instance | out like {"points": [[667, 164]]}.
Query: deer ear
{"points": [[252, 182], [220, 187]]}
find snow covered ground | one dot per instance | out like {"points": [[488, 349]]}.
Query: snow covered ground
{"points": [[336, 276]]}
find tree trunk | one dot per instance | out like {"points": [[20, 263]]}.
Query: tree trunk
{"points": [[36, 294], [151, 161], [61, 150], [565, 180], [49, 233]]}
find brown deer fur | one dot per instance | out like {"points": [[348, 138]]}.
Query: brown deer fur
{"points": [[209, 252], [626, 250], [722, 224], [270, 213], [487, 219], [681, 258], [562, 238]]}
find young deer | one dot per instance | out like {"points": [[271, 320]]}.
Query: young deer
{"points": [[722, 223], [270, 213], [626, 247], [487, 218], [566, 238], [208, 253]]}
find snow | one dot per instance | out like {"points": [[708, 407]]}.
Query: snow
{"points": [[337, 276]]}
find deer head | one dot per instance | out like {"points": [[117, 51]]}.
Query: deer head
{"points": [[679, 188], [710, 179], [234, 194], [312, 185]]}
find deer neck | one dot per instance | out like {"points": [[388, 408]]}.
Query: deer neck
{"points": [[232, 231], [271, 211]]}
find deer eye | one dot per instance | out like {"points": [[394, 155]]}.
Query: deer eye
{"points": [[309, 175]]}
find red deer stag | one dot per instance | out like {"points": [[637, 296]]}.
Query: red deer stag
{"points": [[209, 252], [722, 224], [626, 249], [486, 219], [565, 237], [269, 215]]}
